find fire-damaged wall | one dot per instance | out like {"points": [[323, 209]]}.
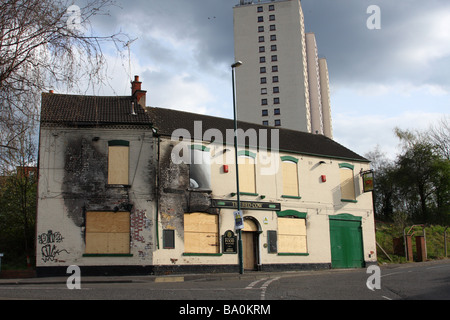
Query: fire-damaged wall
{"points": [[177, 196], [74, 182]]}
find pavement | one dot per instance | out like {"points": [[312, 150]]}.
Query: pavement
{"points": [[247, 275], [150, 278]]}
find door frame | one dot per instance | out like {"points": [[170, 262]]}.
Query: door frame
{"points": [[255, 230]]}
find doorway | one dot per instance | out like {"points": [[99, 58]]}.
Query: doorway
{"points": [[250, 244], [346, 241]]}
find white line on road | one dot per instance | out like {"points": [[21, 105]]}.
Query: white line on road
{"points": [[264, 287], [251, 285]]}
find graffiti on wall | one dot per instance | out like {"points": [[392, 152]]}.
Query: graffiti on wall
{"points": [[50, 242], [139, 223]]}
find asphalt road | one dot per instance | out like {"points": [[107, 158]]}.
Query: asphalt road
{"points": [[421, 281]]}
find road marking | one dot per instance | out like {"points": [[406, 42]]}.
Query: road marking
{"points": [[251, 285], [387, 298], [264, 287], [437, 267]]}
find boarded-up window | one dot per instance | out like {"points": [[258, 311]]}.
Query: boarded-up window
{"points": [[118, 155], [107, 232], [292, 235], [247, 174], [290, 178], [201, 233], [347, 184]]}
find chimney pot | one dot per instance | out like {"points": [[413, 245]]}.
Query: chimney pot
{"points": [[137, 92]]}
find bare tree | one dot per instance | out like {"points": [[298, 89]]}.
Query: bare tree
{"points": [[46, 44], [440, 136]]}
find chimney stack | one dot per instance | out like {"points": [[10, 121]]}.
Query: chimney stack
{"points": [[137, 93]]}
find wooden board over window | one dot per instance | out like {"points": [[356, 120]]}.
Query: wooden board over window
{"points": [[347, 184], [107, 232], [201, 233], [290, 178], [118, 164], [292, 235], [247, 174]]}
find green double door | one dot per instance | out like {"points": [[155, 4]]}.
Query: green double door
{"points": [[346, 241]]}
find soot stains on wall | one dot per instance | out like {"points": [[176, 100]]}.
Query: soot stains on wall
{"points": [[85, 181], [176, 197]]}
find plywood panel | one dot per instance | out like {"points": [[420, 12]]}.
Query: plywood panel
{"points": [[107, 221], [107, 243], [201, 233], [292, 244], [248, 247], [118, 165], [291, 226], [201, 242], [107, 232], [347, 184], [292, 235], [249, 225], [247, 174], [290, 178], [200, 222]]}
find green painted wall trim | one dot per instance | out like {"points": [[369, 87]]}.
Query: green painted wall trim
{"points": [[345, 216], [293, 254], [289, 212], [289, 158], [199, 147], [118, 143], [290, 197], [346, 165], [107, 255], [248, 194], [202, 254], [246, 153], [349, 200]]}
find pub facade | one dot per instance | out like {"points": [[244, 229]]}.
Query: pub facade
{"points": [[130, 189]]}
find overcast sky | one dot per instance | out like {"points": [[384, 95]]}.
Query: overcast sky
{"points": [[379, 78]]}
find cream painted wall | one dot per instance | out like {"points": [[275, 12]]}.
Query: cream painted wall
{"points": [[318, 199]]}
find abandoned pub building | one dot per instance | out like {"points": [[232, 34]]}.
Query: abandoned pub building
{"points": [[114, 197]]}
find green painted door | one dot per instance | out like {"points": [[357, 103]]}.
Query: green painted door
{"points": [[346, 241]]}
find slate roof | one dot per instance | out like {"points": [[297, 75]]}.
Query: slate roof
{"points": [[91, 110], [168, 120], [78, 110]]}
